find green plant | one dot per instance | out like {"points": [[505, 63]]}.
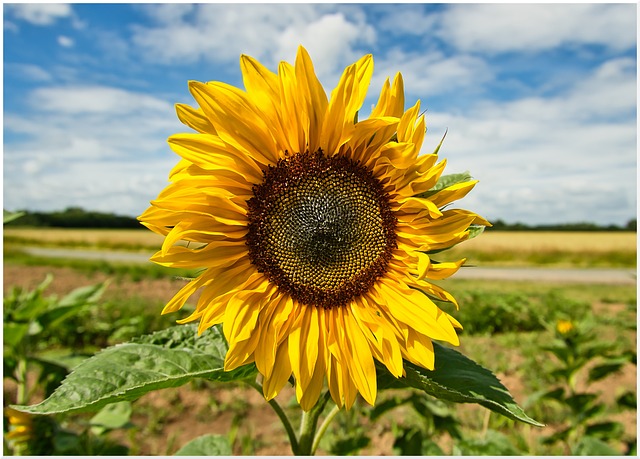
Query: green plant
{"points": [[29, 321], [576, 346]]}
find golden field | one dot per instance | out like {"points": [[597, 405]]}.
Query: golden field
{"points": [[100, 238], [557, 248], [546, 241]]}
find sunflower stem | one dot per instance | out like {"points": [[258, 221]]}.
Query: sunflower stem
{"points": [[308, 425], [323, 428], [21, 376], [281, 414]]}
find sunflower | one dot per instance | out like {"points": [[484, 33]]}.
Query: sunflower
{"points": [[20, 426], [312, 228]]}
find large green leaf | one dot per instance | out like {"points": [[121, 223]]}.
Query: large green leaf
{"points": [[168, 358], [459, 379], [206, 445]]}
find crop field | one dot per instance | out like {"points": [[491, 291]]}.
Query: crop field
{"points": [[117, 239], [512, 328], [583, 249]]}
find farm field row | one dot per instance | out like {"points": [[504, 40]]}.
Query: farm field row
{"points": [[579, 249]]}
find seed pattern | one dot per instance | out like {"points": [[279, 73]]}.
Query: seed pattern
{"points": [[320, 228]]}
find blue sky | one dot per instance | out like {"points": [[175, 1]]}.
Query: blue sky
{"points": [[539, 100]]}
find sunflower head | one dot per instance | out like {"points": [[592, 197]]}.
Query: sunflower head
{"points": [[564, 327], [314, 230], [28, 434]]}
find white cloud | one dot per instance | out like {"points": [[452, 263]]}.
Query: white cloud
{"points": [[268, 32], [429, 73], [565, 158], [29, 72], [40, 13], [65, 41], [408, 19], [326, 39], [10, 26], [489, 28], [93, 146], [81, 100]]}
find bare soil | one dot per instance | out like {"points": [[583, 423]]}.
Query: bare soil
{"points": [[167, 419]]}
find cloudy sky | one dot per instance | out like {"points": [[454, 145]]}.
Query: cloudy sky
{"points": [[539, 100]]}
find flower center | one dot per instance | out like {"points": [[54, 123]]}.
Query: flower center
{"points": [[320, 228]]}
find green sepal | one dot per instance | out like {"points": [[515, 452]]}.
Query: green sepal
{"points": [[8, 216], [458, 379], [437, 149], [169, 358], [446, 181], [475, 231]]}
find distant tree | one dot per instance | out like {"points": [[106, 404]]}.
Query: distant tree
{"points": [[75, 217]]}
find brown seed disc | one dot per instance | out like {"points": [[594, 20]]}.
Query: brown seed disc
{"points": [[320, 228]]}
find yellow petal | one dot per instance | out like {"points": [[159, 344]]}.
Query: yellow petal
{"points": [[237, 120], [280, 375], [210, 152], [303, 346], [314, 96], [358, 356], [195, 119]]}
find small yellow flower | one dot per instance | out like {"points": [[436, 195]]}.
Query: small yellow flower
{"points": [[313, 228], [20, 426], [564, 327]]}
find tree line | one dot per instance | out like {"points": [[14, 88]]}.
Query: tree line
{"points": [[499, 225], [76, 217]]}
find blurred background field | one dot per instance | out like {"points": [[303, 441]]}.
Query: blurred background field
{"points": [[504, 248], [511, 327]]}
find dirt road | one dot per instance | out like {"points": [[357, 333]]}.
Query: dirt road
{"points": [[625, 276]]}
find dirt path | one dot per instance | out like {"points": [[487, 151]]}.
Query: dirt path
{"points": [[625, 276]]}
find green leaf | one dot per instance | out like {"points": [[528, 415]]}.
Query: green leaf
{"points": [[628, 400], [446, 181], [475, 231], [555, 394], [206, 445], [605, 369], [12, 333], [350, 445], [113, 416], [27, 306], [72, 303], [589, 446], [604, 430], [431, 448], [494, 444], [10, 216], [409, 443], [459, 379], [83, 295], [169, 358]]}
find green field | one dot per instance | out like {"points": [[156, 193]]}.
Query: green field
{"points": [[508, 328]]}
